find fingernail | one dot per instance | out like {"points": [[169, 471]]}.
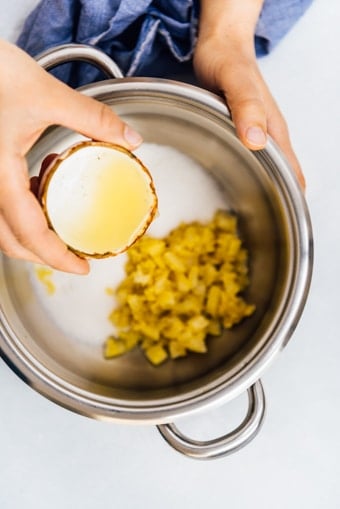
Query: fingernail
{"points": [[81, 267], [132, 137], [256, 136]]}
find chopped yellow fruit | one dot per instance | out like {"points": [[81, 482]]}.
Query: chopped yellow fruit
{"points": [[214, 328], [196, 344], [156, 354], [180, 289], [176, 349], [114, 347]]}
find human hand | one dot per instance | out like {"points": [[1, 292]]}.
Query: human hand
{"points": [[31, 100], [225, 62]]}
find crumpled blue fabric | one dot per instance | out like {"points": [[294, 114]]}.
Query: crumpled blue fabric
{"points": [[144, 37], [276, 19]]}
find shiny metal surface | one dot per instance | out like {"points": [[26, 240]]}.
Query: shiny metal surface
{"points": [[71, 52], [275, 225], [227, 444]]}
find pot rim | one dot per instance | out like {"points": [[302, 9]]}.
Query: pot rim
{"points": [[78, 400]]}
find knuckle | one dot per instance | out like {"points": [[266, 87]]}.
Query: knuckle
{"points": [[9, 249], [108, 119], [30, 236], [248, 103]]}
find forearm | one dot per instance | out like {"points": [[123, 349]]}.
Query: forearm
{"points": [[234, 20]]}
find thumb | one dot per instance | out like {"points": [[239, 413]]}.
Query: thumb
{"points": [[90, 117]]}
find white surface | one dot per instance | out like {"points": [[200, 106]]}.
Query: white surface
{"points": [[51, 458]]}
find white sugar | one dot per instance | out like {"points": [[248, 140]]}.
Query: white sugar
{"points": [[80, 305], [186, 192]]}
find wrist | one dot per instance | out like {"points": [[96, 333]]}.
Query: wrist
{"points": [[233, 19]]}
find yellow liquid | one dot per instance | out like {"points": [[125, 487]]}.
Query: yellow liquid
{"points": [[44, 274], [106, 204]]}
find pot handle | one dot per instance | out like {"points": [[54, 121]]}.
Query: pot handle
{"points": [[69, 52], [226, 444]]}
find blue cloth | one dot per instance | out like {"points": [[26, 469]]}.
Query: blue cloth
{"points": [[144, 37], [276, 19]]}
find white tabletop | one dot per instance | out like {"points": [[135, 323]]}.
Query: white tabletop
{"points": [[52, 458]]}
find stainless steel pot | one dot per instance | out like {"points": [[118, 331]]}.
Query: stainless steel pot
{"points": [[275, 223]]}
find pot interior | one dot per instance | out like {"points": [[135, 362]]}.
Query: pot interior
{"points": [[252, 187]]}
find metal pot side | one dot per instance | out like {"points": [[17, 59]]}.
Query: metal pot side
{"points": [[274, 224]]}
